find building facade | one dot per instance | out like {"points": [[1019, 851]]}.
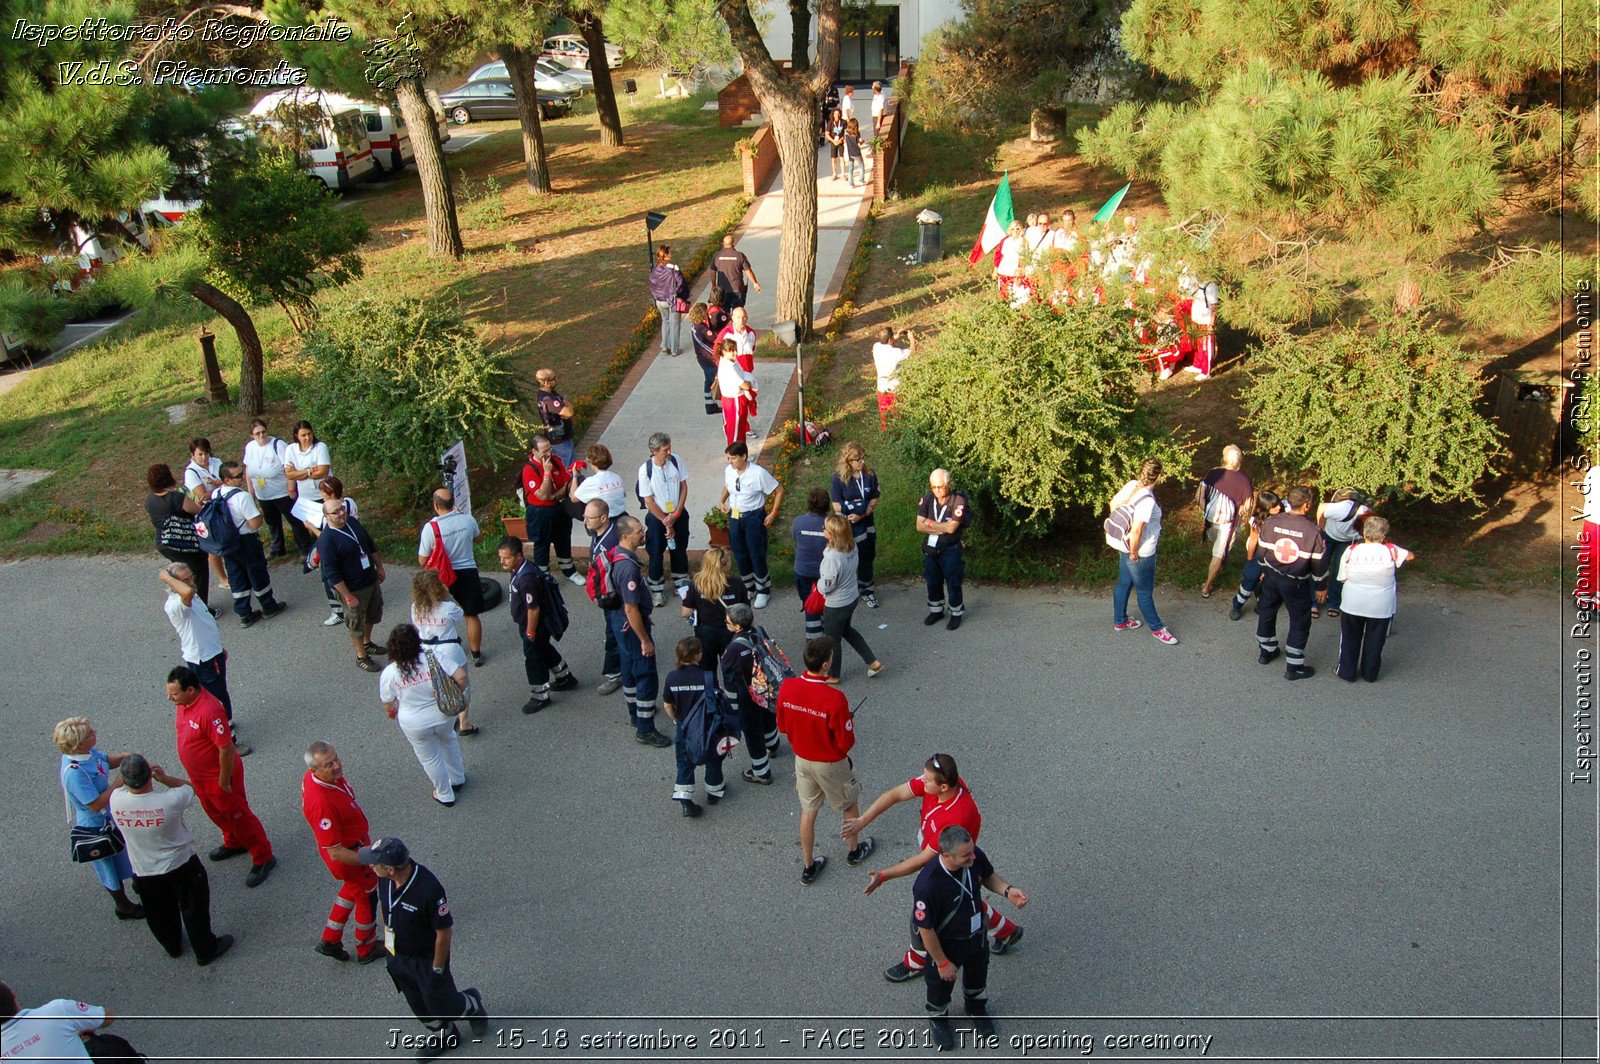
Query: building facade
{"points": [[875, 37]]}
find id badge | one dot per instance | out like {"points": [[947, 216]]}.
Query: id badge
{"points": [[669, 507], [933, 540], [734, 514], [261, 483], [388, 940], [977, 922], [366, 562]]}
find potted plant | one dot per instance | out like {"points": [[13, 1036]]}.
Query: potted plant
{"points": [[510, 512], [717, 526]]}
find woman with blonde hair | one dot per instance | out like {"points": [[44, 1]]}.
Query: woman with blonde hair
{"points": [[840, 561], [438, 619], [714, 587], [854, 493], [86, 779]]}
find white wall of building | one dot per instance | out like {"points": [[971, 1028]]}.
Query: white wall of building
{"points": [[918, 18]]}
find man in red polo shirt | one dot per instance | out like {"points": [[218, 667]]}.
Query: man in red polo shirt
{"points": [[546, 482], [816, 717], [330, 807], [946, 802], [205, 746]]}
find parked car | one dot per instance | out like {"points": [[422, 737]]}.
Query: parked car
{"points": [[570, 50], [547, 77], [479, 100]]}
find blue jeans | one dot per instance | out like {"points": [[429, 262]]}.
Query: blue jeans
{"points": [[747, 535], [856, 165], [671, 326], [1137, 575]]}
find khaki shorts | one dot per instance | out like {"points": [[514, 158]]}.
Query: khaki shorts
{"points": [[367, 610], [834, 780], [1221, 538]]}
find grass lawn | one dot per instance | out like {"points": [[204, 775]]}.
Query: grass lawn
{"points": [[557, 281], [1514, 542]]}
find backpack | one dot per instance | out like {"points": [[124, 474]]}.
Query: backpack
{"points": [[598, 583], [439, 558], [645, 469], [554, 615], [1120, 523], [812, 434], [214, 527], [708, 729], [770, 669], [103, 1046]]}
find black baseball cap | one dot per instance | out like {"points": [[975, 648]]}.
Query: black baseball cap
{"points": [[389, 851]]}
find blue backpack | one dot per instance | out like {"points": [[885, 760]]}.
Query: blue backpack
{"points": [[214, 527], [709, 730]]}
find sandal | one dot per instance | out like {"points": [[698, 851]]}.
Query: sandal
{"points": [[471, 729], [1333, 613], [1315, 613]]}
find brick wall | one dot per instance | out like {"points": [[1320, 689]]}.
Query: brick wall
{"points": [[736, 102], [760, 164]]}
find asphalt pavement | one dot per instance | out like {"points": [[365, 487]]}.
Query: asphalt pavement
{"points": [[1209, 851]]}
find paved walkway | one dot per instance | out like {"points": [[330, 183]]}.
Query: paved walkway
{"points": [[667, 396]]}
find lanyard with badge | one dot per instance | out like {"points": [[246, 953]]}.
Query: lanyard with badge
{"points": [[738, 486], [938, 518], [366, 562], [965, 883], [388, 916]]}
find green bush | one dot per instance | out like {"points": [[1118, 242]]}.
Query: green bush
{"points": [[398, 381], [1034, 411], [1392, 410]]}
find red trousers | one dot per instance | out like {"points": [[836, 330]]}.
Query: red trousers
{"points": [[736, 418], [885, 404], [1205, 352], [231, 813], [359, 895], [1588, 586]]}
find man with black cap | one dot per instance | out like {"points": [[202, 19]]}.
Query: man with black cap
{"points": [[418, 924]]}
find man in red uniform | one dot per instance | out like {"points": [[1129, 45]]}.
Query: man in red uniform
{"points": [[546, 484], [946, 802], [330, 807], [816, 717], [205, 746]]}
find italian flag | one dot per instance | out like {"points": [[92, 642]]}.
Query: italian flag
{"points": [[996, 223]]}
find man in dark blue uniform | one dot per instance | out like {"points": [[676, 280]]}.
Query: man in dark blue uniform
{"points": [[1293, 557], [640, 679], [949, 917], [418, 929], [941, 517], [602, 540], [537, 609]]}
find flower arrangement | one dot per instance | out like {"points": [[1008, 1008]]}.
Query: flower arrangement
{"points": [[716, 518]]}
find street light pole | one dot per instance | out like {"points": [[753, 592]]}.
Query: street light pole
{"points": [[786, 332]]}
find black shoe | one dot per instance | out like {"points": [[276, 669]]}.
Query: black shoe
{"points": [[944, 1037], [222, 853], [250, 618], [478, 1018], [373, 648], [651, 738], [224, 944], [809, 874], [863, 850], [982, 1022], [1003, 945], [335, 950], [440, 1042], [566, 683], [1299, 672], [1235, 611], [1267, 657], [954, 622], [259, 873], [477, 659], [899, 972], [691, 808], [378, 953], [534, 704], [278, 552], [712, 799], [933, 618], [133, 912], [274, 609], [750, 775]]}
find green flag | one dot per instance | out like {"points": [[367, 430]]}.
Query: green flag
{"points": [[1104, 213]]}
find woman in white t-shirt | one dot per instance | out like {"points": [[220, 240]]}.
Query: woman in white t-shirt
{"points": [[201, 477], [406, 689], [1136, 564], [1367, 571], [1009, 264], [263, 460], [306, 463], [1340, 521], [601, 482], [438, 619]]}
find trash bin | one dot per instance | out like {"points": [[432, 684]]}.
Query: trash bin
{"points": [[1530, 408], [929, 240]]}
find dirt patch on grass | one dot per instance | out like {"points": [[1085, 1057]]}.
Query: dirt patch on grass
{"points": [[43, 532]]}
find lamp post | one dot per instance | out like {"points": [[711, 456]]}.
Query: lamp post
{"points": [[652, 222], [785, 331]]}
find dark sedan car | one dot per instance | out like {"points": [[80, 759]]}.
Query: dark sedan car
{"points": [[495, 99]]}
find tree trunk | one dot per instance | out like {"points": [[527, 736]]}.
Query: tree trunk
{"points": [[519, 66], [1046, 124], [438, 197], [252, 362], [605, 96], [794, 129], [799, 35]]}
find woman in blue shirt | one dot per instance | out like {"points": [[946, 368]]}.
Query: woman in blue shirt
{"points": [[86, 779], [855, 495]]}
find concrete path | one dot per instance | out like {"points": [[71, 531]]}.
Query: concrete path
{"points": [[667, 397], [70, 338]]}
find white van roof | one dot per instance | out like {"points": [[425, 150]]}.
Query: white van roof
{"points": [[332, 102]]}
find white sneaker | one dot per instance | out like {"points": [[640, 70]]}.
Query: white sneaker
{"points": [[333, 619], [577, 578], [761, 601]]}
